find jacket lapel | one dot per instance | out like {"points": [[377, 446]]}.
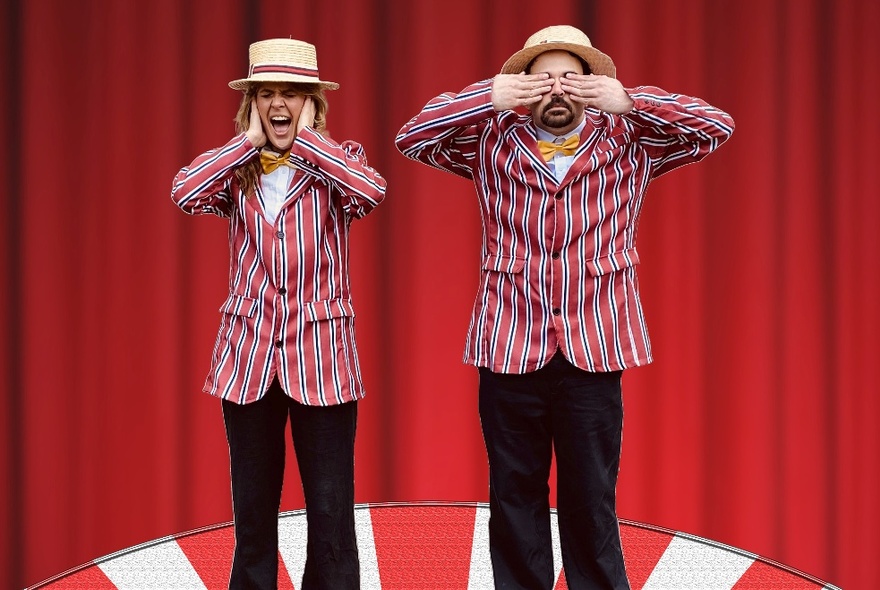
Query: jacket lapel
{"points": [[300, 181], [582, 163], [585, 158], [526, 141], [253, 203]]}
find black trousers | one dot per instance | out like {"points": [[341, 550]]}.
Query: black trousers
{"points": [[323, 439], [525, 417]]}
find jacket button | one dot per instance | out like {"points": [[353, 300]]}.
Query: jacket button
{"points": [[282, 291], [555, 256], [556, 311], [278, 344], [280, 235]]}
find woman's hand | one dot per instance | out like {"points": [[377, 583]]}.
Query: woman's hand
{"points": [[306, 115], [255, 131]]}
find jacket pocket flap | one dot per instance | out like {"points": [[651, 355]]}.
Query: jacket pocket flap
{"points": [[613, 262], [239, 305], [502, 263], [329, 308]]}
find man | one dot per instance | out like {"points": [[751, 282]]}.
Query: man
{"points": [[286, 347], [557, 317]]}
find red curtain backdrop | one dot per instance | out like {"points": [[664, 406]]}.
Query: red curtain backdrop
{"points": [[756, 426]]}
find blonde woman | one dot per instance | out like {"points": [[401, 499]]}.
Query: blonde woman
{"points": [[286, 349]]}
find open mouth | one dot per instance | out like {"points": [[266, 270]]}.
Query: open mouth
{"points": [[280, 124]]}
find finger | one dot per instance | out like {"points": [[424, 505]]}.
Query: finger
{"points": [[306, 114], [535, 89], [582, 90], [577, 79], [540, 87], [255, 115], [538, 77], [533, 95], [572, 89], [538, 80]]}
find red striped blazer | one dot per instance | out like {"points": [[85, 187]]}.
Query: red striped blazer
{"points": [[559, 257], [289, 310]]}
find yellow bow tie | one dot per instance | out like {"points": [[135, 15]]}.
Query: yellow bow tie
{"points": [[550, 149], [270, 161]]}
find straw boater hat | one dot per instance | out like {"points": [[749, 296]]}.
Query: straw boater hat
{"points": [[561, 37], [282, 60]]}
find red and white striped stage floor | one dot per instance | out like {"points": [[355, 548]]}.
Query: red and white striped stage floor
{"points": [[427, 547]]}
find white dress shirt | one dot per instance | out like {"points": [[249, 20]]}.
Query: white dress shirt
{"points": [[275, 191], [560, 163]]}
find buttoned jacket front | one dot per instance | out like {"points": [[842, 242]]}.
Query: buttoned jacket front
{"points": [[559, 257], [289, 311]]}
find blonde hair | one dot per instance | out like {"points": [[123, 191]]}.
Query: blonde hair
{"points": [[249, 174]]}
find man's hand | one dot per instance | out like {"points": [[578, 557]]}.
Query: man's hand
{"points": [[255, 128], [518, 90], [306, 115], [598, 92]]}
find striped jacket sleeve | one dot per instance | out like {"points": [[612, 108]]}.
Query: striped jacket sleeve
{"points": [[203, 187], [676, 129], [344, 166], [445, 133]]}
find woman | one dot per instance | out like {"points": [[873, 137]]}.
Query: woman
{"points": [[286, 345]]}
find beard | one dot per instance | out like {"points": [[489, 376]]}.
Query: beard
{"points": [[557, 120]]}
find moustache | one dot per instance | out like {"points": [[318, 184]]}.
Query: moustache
{"points": [[557, 101]]}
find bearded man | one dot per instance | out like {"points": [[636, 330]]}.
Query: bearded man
{"points": [[557, 317]]}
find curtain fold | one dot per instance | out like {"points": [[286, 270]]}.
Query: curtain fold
{"points": [[755, 426]]}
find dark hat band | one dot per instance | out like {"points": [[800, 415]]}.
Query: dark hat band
{"points": [[283, 69]]}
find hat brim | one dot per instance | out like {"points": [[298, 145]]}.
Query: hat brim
{"points": [[600, 64], [243, 83]]}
